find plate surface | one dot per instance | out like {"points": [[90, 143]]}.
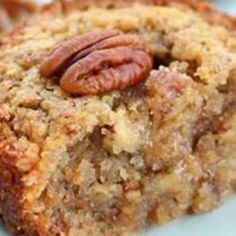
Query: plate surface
{"points": [[220, 222]]}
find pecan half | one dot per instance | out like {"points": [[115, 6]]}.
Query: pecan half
{"points": [[98, 62]]}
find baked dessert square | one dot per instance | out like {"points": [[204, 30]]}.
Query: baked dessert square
{"points": [[116, 115], [13, 11]]}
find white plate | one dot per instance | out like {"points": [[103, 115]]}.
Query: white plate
{"points": [[220, 222]]}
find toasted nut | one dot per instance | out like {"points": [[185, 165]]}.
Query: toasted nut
{"points": [[99, 62], [60, 57]]}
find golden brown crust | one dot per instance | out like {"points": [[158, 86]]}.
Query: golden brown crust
{"points": [[13, 6], [11, 188]]}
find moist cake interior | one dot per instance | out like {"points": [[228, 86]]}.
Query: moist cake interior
{"points": [[119, 162]]}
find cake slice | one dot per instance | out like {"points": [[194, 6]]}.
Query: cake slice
{"points": [[115, 118]]}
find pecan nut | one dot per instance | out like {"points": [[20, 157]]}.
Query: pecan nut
{"points": [[98, 62]]}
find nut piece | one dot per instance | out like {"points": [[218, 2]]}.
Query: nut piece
{"points": [[98, 62]]}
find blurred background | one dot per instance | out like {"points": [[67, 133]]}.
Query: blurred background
{"points": [[226, 5]]}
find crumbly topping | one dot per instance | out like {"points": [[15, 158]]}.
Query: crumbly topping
{"points": [[121, 161]]}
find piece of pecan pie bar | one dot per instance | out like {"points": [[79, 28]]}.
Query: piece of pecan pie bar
{"points": [[116, 115]]}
